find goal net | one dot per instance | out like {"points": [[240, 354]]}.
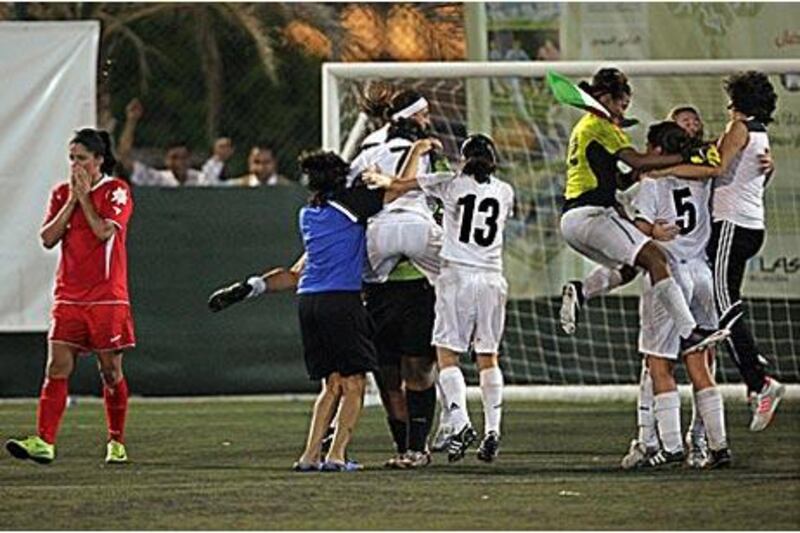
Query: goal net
{"points": [[512, 103]]}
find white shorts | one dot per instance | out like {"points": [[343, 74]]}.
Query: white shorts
{"points": [[657, 333], [470, 308], [603, 235], [393, 235]]}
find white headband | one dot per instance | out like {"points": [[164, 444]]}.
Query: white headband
{"points": [[412, 109]]}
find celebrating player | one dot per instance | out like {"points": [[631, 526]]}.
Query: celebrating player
{"points": [[333, 323], [739, 228], [676, 212], [591, 223], [403, 243], [470, 290], [88, 216]]}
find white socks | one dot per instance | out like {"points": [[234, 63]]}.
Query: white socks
{"points": [[491, 381], [601, 280], [455, 392], [668, 417], [712, 411], [644, 417], [444, 413], [669, 294]]}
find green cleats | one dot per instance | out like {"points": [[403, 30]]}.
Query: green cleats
{"points": [[33, 448], [115, 453]]}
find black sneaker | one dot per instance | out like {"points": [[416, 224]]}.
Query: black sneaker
{"points": [[664, 459], [490, 446], [701, 338], [459, 443], [719, 458]]}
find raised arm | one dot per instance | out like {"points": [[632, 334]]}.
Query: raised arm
{"points": [[133, 113]]}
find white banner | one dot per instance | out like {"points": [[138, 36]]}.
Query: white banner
{"points": [[49, 87]]}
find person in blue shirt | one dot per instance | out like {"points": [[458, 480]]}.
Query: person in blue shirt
{"points": [[335, 328]]}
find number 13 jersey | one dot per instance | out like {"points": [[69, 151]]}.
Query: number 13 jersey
{"points": [[475, 215], [684, 203]]}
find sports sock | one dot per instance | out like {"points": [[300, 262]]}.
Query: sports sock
{"points": [[644, 414], [491, 382], [444, 413], [601, 280], [668, 418], [52, 402], [399, 430], [116, 402], [455, 391], [421, 410], [670, 296], [697, 427], [712, 411]]}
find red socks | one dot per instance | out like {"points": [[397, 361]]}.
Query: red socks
{"points": [[52, 402], [116, 401]]}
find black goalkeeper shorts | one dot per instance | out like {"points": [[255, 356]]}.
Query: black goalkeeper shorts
{"points": [[403, 314], [337, 334]]}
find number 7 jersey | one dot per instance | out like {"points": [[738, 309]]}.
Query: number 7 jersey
{"points": [[475, 216], [684, 203]]}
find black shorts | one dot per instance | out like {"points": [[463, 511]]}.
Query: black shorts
{"points": [[337, 334], [403, 315]]}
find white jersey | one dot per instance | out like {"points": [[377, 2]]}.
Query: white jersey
{"points": [[739, 193], [475, 216], [680, 202], [376, 137], [390, 157]]}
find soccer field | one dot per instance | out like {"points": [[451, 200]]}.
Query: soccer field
{"points": [[225, 465]]}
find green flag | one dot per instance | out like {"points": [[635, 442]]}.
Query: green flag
{"points": [[569, 93]]}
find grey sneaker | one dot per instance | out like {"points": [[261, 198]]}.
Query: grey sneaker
{"points": [[696, 451], [571, 302], [441, 439], [413, 459], [638, 454], [765, 403]]}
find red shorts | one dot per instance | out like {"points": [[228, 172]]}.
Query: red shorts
{"points": [[93, 327]]}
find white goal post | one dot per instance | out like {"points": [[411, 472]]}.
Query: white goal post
{"points": [[498, 97]]}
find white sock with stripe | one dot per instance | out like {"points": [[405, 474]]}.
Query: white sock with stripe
{"points": [[668, 417], [712, 411], [491, 381], [455, 390], [644, 414]]}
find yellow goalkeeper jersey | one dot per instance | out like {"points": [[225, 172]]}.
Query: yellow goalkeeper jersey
{"points": [[592, 162]]}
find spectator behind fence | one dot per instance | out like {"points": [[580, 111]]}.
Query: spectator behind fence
{"points": [[262, 169], [176, 158]]}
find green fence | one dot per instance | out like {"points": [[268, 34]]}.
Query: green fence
{"points": [[182, 244]]}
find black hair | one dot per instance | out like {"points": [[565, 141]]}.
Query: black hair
{"points": [[752, 93], [265, 146], [376, 100], [179, 143], [97, 142], [402, 99], [607, 81], [669, 136], [326, 172], [480, 154], [405, 128]]}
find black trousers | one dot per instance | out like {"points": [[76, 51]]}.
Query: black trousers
{"points": [[729, 249]]}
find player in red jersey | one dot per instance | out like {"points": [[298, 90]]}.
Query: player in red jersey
{"points": [[88, 215]]}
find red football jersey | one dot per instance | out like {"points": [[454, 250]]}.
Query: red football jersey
{"points": [[91, 270]]}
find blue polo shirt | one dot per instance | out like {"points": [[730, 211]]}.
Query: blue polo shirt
{"points": [[334, 237]]}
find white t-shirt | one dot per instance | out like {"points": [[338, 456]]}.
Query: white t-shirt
{"points": [[684, 203], [739, 193], [475, 216], [390, 157], [147, 176]]}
